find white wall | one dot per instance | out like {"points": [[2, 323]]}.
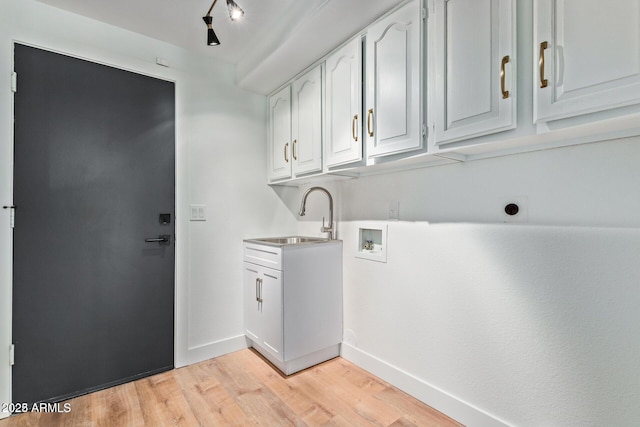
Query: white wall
{"points": [[532, 324], [220, 140], [227, 173]]}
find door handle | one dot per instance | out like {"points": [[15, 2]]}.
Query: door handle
{"points": [[163, 238], [505, 93], [354, 132], [543, 82], [259, 283]]}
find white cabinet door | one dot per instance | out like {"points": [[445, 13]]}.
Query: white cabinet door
{"points": [[393, 120], [344, 105], [271, 296], [587, 56], [306, 150], [252, 305], [280, 134], [475, 68], [263, 307]]}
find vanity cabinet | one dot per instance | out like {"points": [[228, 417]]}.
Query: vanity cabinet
{"points": [[475, 71], [393, 107], [343, 140], [586, 56], [295, 127], [293, 302]]}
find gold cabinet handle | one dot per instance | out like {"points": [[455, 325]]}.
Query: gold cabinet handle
{"points": [[543, 81], [369, 117], [295, 157], [505, 61], [354, 132], [286, 149]]}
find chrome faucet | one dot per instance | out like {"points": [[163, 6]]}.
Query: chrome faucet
{"points": [[324, 229]]}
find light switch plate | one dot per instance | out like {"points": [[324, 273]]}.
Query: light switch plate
{"points": [[198, 212]]}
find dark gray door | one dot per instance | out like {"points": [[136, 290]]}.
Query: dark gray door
{"points": [[93, 302]]}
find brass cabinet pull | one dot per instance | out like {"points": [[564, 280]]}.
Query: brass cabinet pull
{"points": [[369, 117], [543, 81], [286, 149], [505, 93], [354, 132], [295, 157]]}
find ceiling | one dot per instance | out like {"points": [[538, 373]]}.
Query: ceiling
{"points": [[274, 40]]}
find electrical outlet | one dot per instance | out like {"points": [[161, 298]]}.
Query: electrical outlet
{"points": [[394, 211], [514, 209]]}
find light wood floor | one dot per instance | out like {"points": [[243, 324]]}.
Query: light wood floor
{"points": [[241, 389]]}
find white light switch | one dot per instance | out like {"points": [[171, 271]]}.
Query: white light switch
{"points": [[198, 213]]}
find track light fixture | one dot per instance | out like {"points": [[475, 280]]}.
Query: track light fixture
{"points": [[235, 13]]}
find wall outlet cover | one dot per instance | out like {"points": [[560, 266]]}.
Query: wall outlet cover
{"points": [[394, 211], [372, 241], [513, 209]]}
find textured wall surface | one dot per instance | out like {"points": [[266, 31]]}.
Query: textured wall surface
{"points": [[534, 323]]}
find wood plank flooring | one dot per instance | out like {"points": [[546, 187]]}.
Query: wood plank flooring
{"points": [[242, 389]]}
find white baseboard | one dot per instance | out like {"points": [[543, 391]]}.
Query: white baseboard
{"points": [[421, 390], [215, 349]]}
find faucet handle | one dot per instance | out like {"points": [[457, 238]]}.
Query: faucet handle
{"points": [[325, 228]]}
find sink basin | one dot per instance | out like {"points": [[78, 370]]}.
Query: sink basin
{"points": [[290, 240]]}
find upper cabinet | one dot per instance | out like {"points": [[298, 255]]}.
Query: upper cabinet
{"points": [[393, 107], [427, 87], [344, 105], [587, 56], [306, 149], [280, 134], [295, 128], [475, 68]]}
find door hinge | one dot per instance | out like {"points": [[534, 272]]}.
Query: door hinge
{"points": [[12, 215], [12, 354], [425, 131], [14, 82], [425, 13]]}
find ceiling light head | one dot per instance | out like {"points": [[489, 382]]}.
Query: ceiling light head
{"points": [[235, 11], [212, 39]]}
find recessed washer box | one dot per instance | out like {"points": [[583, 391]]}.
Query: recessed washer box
{"points": [[372, 241]]}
